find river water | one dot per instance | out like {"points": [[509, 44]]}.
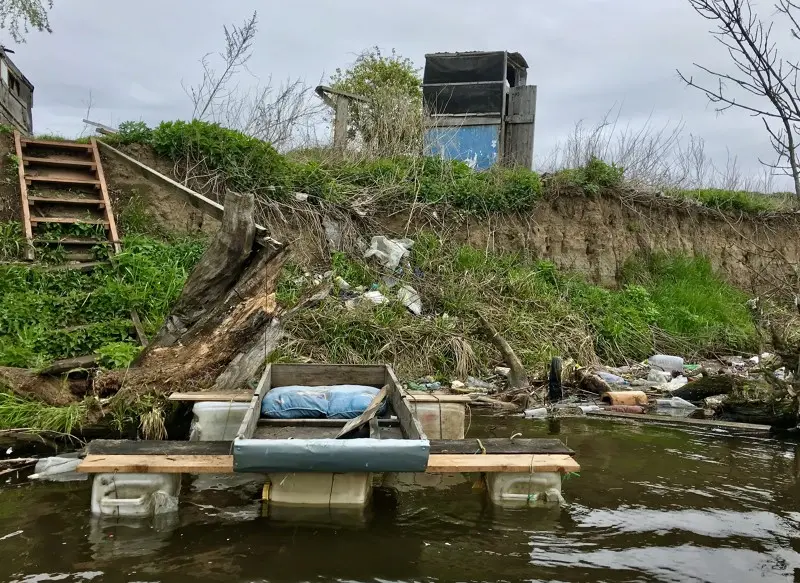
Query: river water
{"points": [[650, 504]]}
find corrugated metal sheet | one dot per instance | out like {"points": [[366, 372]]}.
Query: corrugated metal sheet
{"points": [[475, 145]]}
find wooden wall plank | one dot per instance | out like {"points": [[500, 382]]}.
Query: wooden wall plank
{"points": [[315, 375], [456, 463], [23, 189]]}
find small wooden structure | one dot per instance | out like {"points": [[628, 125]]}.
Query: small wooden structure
{"points": [[62, 182], [480, 109], [340, 102], [16, 96]]}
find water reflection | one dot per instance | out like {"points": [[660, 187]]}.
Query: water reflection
{"points": [[650, 504]]}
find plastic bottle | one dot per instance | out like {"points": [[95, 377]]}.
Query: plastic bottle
{"points": [[674, 403], [666, 362], [539, 413]]}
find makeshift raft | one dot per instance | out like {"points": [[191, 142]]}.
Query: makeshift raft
{"points": [[333, 461]]}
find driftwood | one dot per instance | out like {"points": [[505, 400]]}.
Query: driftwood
{"points": [[517, 378], [225, 322]]}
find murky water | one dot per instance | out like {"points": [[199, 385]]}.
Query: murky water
{"points": [[651, 504]]}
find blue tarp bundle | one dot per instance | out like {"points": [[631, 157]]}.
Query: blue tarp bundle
{"points": [[327, 402]]}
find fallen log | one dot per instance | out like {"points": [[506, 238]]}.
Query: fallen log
{"points": [[517, 378], [225, 322], [709, 386]]}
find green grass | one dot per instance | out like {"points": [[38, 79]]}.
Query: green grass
{"points": [[733, 200], [49, 315], [669, 304], [20, 413]]}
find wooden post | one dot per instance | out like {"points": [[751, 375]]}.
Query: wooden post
{"points": [[520, 125], [341, 121]]}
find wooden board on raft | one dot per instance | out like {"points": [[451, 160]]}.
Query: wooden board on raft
{"points": [[222, 464]]}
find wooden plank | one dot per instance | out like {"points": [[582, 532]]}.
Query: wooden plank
{"points": [[686, 422], [69, 220], [57, 200], [458, 121], [69, 241], [315, 375], [318, 422], [68, 364], [434, 398], [112, 224], [502, 445], [239, 397], [253, 414], [449, 464], [23, 189], [62, 180], [367, 415], [157, 464], [158, 447], [79, 266], [198, 201], [520, 131], [412, 429], [55, 144], [60, 162], [137, 324]]}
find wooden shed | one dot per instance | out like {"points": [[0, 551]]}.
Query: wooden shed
{"points": [[480, 109], [16, 96]]}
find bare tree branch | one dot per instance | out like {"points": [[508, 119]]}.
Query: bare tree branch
{"points": [[761, 72]]}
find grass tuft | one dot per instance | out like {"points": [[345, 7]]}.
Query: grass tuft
{"points": [[20, 413]]}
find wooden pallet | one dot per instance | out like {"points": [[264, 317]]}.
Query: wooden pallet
{"points": [[76, 191]]}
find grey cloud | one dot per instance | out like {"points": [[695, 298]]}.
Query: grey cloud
{"points": [[586, 56]]}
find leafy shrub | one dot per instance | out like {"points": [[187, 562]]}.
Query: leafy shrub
{"points": [[247, 164], [118, 354], [594, 177], [133, 132]]}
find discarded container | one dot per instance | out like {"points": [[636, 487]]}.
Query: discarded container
{"points": [[637, 409], [589, 408], [659, 376], [520, 490], [612, 379], [216, 420], [60, 468], [320, 489], [666, 362], [715, 401], [674, 403], [478, 383], [539, 413], [440, 420], [625, 398], [410, 298], [135, 495], [677, 383]]}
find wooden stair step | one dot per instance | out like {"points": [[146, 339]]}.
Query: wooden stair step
{"points": [[68, 220], [70, 241], [78, 266], [60, 162], [57, 200], [55, 144], [62, 180]]}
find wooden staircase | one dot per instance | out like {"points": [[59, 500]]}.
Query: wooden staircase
{"points": [[63, 183]]}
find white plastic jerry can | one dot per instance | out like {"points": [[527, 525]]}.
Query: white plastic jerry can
{"points": [[135, 495], [519, 490]]}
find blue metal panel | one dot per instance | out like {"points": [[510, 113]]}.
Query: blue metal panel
{"points": [[474, 145], [330, 455]]}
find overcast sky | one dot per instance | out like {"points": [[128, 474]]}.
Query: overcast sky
{"points": [[586, 56]]}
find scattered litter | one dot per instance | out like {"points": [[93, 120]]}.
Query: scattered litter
{"points": [[589, 408], [10, 534], [60, 468], [409, 297], [9, 450], [472, 382], [428, 387], [539, 413], [677, 383], [300, 196], [612, 379], [457, 386], [375, 297], [659, 376], [715, 401], [625, 398], [674, 403], [389, 252], [780, 374], [666, 362], [691, 367], [340, 281], [503, 371], [753, 360]]}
